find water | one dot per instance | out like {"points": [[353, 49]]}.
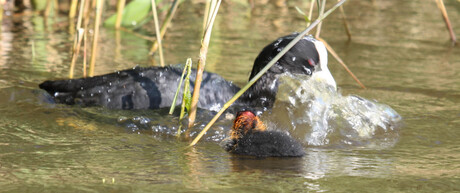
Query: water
{"points": [[318, 115], [400, 50]]}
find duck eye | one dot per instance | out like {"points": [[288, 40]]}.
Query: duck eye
{"points": [[311, 62]]}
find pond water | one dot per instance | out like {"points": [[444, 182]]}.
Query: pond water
{"points": [[399, 49]]}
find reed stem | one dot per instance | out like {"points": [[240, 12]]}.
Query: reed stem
{"points": [[336, 56], [1, 14], [318, 29], [80, 15], [120, 7], [206, 14], [202, 63], [310, 13], [441, 6], [345, 23], [85, 39], [157, 31], [92, 64], [165, 24], [73, 9], [186, 95], [173, 105], [258, 75], [79, 37]]}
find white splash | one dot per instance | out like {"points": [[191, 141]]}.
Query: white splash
{"points": [[319, 115]]}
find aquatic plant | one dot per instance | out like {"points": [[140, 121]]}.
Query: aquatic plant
{"points": [[215, 4]]}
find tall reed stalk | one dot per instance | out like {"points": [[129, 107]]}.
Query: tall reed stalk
{"points": [[258, 75], [202, 61], [1, 15], [165, 24], [310, 13], [99, 7], [173, 105], [120, 8], [157, 31], [79, 37], [441, 7], [334, 54], [73, 9], [206, 14], [321, 11], [345, 23]]}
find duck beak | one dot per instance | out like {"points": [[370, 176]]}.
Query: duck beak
{"points": [[322, 73]]}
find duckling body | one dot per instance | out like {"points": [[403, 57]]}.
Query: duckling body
{"points": [[249, 136]]}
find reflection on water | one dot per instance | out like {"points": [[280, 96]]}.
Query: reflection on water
{"points": [[399, 50]]}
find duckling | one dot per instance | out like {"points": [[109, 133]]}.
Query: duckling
{"points": [[250, 136]]}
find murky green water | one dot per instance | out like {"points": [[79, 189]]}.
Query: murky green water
{"points": [[400, 50]]}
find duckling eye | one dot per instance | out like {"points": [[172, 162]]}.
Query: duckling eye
{"points": [[311, 62]]}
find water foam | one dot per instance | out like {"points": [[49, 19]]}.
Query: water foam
{"points": [[318, 115]]}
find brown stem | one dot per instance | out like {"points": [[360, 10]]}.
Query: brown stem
{"points": [[441, 6], [345, 23], [318, 29], [157, 31], [120, 7], [79, 37], [333, 53], [99, 6], [165, 24], [73, 9], [201, 65]]}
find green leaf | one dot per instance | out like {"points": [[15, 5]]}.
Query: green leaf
{"points": [[303, 14], [187, 96], [173, 105], [135, 14], [187, 93], [300, 11]]}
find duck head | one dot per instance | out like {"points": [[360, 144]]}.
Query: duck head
{"points": [[308, 56]]}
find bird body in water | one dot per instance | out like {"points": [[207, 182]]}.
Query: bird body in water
{"points": [[154, 87], [249, 136]]}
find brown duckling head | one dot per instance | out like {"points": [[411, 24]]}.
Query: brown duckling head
{"points": [[249, 136]]}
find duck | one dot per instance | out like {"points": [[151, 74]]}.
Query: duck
{"points": [[249, 136], [155, 87]]}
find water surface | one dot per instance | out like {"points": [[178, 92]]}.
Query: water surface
{"points": [[400, 50]]}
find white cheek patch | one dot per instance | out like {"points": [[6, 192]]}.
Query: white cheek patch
{"points": [[323, 74]]}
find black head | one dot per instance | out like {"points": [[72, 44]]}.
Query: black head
{"points": [[302, 58]]}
